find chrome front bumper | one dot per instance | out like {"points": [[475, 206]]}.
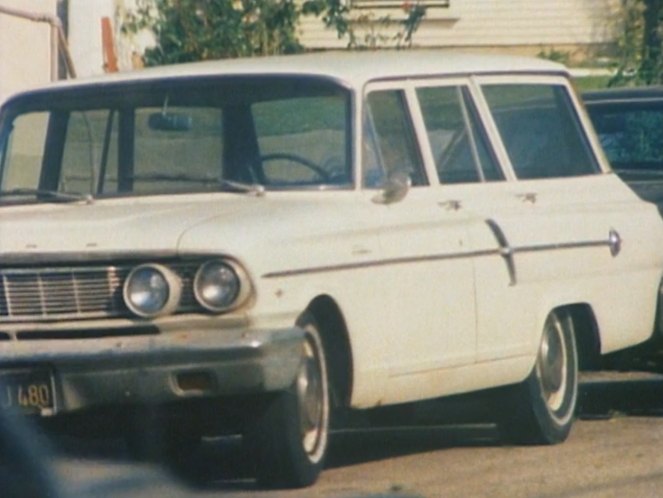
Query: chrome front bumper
{"points": [[181, 363]]}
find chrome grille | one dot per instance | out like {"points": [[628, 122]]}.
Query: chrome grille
{"points": [[74, 293]]}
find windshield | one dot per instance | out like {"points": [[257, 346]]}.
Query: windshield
{"points": [[178, 137]]}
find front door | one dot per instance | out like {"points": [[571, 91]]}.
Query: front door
{"points": [[427, 281]]}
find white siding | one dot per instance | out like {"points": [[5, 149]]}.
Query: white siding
{"points": [[538, 24], [507, 23], [25, 54]]}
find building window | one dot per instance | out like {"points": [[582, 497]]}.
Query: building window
{"points": [[395, 4]]}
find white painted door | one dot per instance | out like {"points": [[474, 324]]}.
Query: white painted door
{"points": [[427, 282]]}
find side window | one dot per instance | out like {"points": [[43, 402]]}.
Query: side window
{"points": [[631, 138], [540, 130], [303, 141], [389, 142], [459, 144], [20, 166]]}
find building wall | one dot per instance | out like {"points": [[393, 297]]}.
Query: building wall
{"points": [[25, 53], [576, 27], [85, 35], [84, 20], [525, 25]]}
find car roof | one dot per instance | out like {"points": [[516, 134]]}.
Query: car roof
{"points": [[351, 68], [630, 94]]}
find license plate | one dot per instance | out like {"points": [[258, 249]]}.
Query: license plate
{"points": [[28, 390]]}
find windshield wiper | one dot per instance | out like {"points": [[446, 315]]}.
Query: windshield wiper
{"points": [[227, 185], [47, 195], [175, 177]]}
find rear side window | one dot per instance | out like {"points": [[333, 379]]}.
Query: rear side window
{"points": [[459, 144], [540, 130]]}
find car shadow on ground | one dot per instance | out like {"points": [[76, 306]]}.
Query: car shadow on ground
{"points": [[222, 464], [366, 445], [609, 394], [438, 423]]}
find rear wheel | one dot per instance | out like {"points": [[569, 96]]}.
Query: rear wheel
{"points": [[543, 406], [290, 438]]}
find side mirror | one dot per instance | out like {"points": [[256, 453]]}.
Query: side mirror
{"points": [[394, 189]]}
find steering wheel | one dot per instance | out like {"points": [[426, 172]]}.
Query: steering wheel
{"points": [[287, 156]]}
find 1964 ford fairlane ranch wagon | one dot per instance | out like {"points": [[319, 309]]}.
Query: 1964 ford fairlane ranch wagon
{"points": [[257, 244]]}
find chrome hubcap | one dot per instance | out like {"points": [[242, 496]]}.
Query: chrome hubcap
{"points": [[311, 399], [552, 364]]}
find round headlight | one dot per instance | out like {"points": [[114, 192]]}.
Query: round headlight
{"points": [[220, 285], [152, 290]]}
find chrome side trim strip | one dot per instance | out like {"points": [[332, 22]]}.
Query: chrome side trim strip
{"points": [[613, 242], [505, 250], [562, 245], [376, 263]]}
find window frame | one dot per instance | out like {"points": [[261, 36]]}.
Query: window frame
{"points": [[436, 10], [412, 115], [395, 4]]}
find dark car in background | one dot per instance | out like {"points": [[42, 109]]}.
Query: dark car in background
{"points": [[629, 123]]}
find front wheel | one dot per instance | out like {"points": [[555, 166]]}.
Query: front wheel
{"points": [[543, 406], [290, 438]]}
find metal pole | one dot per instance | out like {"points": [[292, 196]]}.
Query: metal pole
{"points": [[55, 73], [58, 39]]}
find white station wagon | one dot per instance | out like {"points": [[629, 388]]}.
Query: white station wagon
{"points": [[257, 245]]}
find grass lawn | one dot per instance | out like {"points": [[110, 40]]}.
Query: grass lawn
{"points": [[585, 83]]}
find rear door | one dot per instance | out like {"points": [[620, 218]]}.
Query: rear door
{"points": [[560, 223]]}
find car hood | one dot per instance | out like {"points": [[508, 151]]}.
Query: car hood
{"points": [[120, 225], [168, 225]]}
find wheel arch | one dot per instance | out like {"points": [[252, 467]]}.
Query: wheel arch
{"points": [[336, 341], [587, 336]]}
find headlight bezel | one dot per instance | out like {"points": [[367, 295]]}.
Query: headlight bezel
{"points": [[173, 287], [242, 283]]}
